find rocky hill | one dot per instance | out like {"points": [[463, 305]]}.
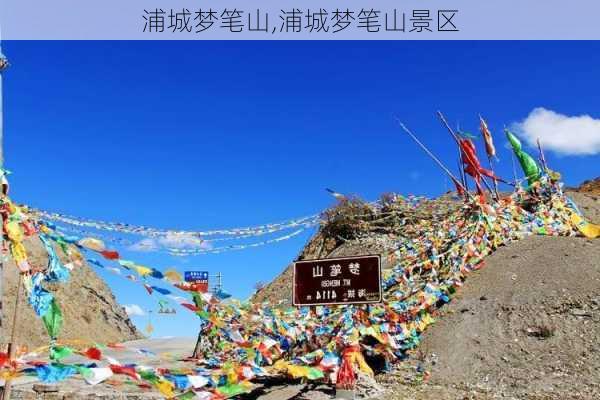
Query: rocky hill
{"points": [[591, 186], [525, 326], [90, 310]]}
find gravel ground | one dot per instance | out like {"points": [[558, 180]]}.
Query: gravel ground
{"points": [[526, 326]]}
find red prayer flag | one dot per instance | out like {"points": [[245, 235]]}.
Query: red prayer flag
{"points": [[110, 254], [148, 288], [459, 188], [190, 306], [93, 353], [124, 370], [472, 165]]}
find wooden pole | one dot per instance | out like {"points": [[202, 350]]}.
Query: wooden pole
{"points": [[443, 119], [196, 352], [514, 168], [461, 168], [430, 154], [5, 391], [542, 158], [493, 180], [2, 66]]}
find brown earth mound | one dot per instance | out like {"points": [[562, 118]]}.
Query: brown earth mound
{"points": [[591, 186], [90, 310], [589, 204], [527, 326]]}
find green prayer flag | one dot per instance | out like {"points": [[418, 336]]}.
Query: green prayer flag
{"points": [[187, 396], [53, 320], [198, 301], [149, 376], [530, 168], [233, 389], [84, 371], [315, 373], [64, 246], [57, 353]]}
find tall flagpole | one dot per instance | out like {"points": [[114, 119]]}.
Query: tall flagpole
{"points": [[433, 157], [443, 119], [3, 65], [4, 391]]}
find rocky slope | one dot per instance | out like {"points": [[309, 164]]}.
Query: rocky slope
{"points": [[591, 186], [526, 326], [90, 310]]}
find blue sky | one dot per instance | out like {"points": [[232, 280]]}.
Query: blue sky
{"points": [[201, 135]]}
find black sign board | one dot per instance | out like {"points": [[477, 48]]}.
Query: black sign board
{"points": [[349, 280]]}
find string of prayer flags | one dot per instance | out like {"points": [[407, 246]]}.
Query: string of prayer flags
{"points": [[308, 221]]}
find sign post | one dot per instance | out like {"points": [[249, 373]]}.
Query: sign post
{"points": [[198, 280], [341, 281], [3, 65], [348, 280], [6, 389]]}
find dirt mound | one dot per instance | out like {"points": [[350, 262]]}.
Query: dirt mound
{"points": [[589, 205], [527, 325], [591, 186], [90, 310]]}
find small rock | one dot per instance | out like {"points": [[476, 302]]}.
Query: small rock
{"points": [[40, 388], [581, 313]]}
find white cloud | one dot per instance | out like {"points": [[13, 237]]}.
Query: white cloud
{"points": [[171, 240], [133, 310], [576, 135]]}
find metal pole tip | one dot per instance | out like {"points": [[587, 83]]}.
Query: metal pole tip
{"points": [[3, 62]]}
